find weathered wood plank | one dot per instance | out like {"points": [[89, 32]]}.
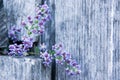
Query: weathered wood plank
{"points": [[23, 68], [85, 27], [49, 35], [3, 27], [116, 40]]}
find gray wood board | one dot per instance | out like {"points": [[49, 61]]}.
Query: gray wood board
{"points": [[89, 31], [23, 68], [116, 41], [3, 27]]}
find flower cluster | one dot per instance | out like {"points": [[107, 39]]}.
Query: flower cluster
{"points": [[44, 54], [16, 50], [12, 33], [36, 25], [20, 49], [27, 43], [58, 53], [63, 57], [32, 26], [47, 58]]}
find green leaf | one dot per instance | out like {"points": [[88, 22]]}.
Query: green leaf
{"points": [[37, 51], [60, 57], [51, 52], [36, 21], [29, 33], [42, 10], [26, 27]]}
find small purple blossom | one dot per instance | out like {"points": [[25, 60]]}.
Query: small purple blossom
{"points": [[23, 23], [43, 47], [28, 42], [29, 17], [30, 21], [13, 33], [37, 17], [44, 8], [12, 47], [34, 31], [16, 50], [41, 23], [40, 31], [47, 58]]}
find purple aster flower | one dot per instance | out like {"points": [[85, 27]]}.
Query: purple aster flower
{"points": [[44, 20], [39, 13], [29, 18], [11, 47], [34, 31], [41, 24], [47, 58], [37, 17], [13, 33], [40, 31], [28, 43], [73, 63], [43, 47], [68, 61], [44, 8], [16, 50], [19, 30], [23, 23], [30, 21]]}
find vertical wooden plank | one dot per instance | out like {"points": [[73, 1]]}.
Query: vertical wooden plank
{"points": [[116, 39], [85, 29], [49, 35], [3, 27]]}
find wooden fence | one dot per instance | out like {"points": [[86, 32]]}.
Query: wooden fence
{"points": [[88, 29]]}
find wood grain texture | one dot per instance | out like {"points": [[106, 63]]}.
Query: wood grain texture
{"points": [[88, 29], [3, 27], [49, 35], [85, 27], [23, 68], [19, 10], [116, 40]]}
